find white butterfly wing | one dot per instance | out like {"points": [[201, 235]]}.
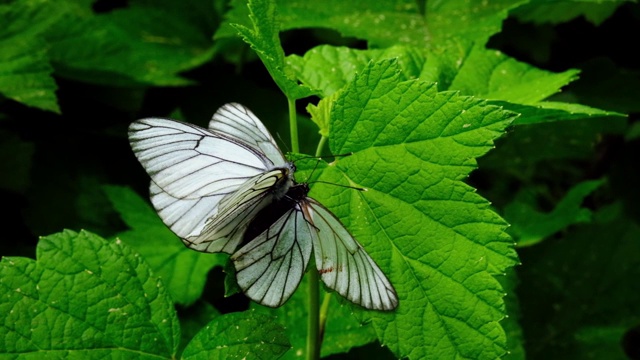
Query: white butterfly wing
{"points": [[270, 267], [224, 232], [189, 162], [185, 217], [237, 121], [345, 266], [193, 171]]}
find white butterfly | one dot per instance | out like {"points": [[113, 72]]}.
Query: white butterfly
{"points": [[230, 189]]}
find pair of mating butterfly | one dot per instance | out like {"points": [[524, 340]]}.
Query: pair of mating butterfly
{"points": [[230, 189]]}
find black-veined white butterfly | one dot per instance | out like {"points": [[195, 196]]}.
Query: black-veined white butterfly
{"points": [[230, 189]]}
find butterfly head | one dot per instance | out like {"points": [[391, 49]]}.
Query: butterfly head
{"points": [[285, 181]]}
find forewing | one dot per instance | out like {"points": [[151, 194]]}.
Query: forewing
{"points": [[224, 229], [344, 265], [185, 217], [270, 267], [188, 162], [238, 122]]}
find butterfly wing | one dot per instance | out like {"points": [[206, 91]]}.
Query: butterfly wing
{"points": [[193, 170], [224, 232], [270, 267], [190, 162], [185, 217], [344, 265], [236, 121]]}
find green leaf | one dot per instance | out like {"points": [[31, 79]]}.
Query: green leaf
{"points": [[329, 68], [470, 20], [25, 72], [230, 283], [436, 239], [388, 23], [492, 75], [555, 12], [84, 298], [530, 226], [550, 111], [183, 270], [582, 291], [343, 331], [263, 36], [378, 22], [444, 61], [27, 19], [146, 45], [239, 335], [321, 114]]}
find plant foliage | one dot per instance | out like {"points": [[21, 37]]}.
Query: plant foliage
{"points": [[495, 148]]}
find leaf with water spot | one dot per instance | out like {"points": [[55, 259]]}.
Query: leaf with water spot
{"points": [[388, 23]]}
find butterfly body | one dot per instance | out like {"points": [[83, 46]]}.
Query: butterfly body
{"points": [[230, 189]]}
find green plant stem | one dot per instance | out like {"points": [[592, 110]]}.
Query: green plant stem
{"points": [[293, 126], [319, 314], [324, 310], [321, 143], [313, 333]]}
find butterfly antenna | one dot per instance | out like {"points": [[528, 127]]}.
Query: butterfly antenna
{"points": [[314, 169], [325, 156], [284, 143], [342, 155], [340, 185]]}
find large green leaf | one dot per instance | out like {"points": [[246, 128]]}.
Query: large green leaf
{"points": [[25, 71], [182, 269], [379, 22], [491, 74], [550, 111], [144, 44], [84, 298], [436, 239], [469, 20], [488, 74], [329, 68], [544, 11], [88, 298], [387, 23]]}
